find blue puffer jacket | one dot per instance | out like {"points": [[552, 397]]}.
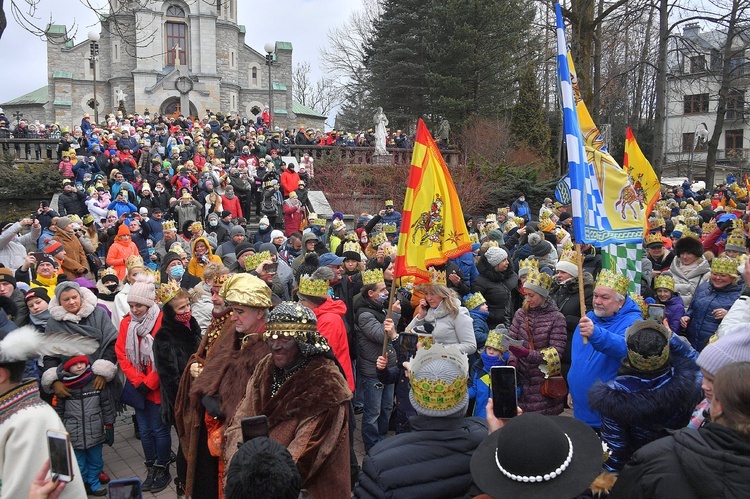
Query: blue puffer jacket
{"points": [[392, 218], [432, 460], [599, 359], [637, 410], [702, 322]]}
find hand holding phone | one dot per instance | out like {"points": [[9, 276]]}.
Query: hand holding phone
{"points": [[127, 488], [255, 426], [504, 391], [61, 463]]}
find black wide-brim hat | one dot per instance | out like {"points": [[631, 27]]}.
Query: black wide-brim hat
{"points": [[534, 445]]}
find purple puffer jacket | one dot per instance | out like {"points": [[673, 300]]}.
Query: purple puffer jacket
{"points": [[547, 325]]}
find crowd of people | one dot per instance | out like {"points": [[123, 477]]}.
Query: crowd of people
{"points": [[168, 304]]}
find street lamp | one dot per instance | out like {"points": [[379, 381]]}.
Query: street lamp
{"points": [[270, 47], [94, 39]]}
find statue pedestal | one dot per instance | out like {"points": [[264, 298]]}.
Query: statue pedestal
{"points": [[382, 159]]}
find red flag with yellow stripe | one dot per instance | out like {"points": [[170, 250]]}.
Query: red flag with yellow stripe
{"points": [[432, 225], [641, 174]]}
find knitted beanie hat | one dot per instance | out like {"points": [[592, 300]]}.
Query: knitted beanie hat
{"points": [[63, 222], [123, 230], [495, 255], [735, 347], [142, 293], [75, 360], [539, 246]]}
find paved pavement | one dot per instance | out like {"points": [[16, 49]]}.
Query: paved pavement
{"points": [[125, 458]]}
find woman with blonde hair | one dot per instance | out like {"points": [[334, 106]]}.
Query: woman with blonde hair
{"points": [[451, 323]]}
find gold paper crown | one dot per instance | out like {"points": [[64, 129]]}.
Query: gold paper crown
{"points": [[737, 224], [351, 247], [491, 226], [638, 299], [693, 220], [473, 238], [551, 365], [664, 281], [502, 211], [389, 228], [510, 225], [570, 256], [373, 276], [475, 300], [351, 236], [492, 244], [653, 238], [153, 276], [389, 202], [196, 226], [545, 225], [706, 203], [737, 239], [665, 211], [177, 249], [133, 261], [313, 287], [724, 265], [168, 225], [252, 261], [490, 218], [220, 279], [338, 225], [709, 227], [528, 264], [167, 291], [519, 221], [567, 246], [652, 362], [437, 276], [378, 239], [320, 222], [655, 223], [108, 271], [614, 281], [439, 394], [538, 279], [495, 340], [681, 228], [312, 216]]}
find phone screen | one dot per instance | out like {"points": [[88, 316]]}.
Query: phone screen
{"points": [[409, 344], [59, 455], [128, 488], [504, 396], [656, 312], [252, 427]]}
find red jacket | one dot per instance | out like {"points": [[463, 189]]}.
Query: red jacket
{"points": [[292, 219], [233, 205], [289, 182], [331, 325], [132, 373]]}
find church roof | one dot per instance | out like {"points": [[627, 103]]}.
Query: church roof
{"points": [[299, 109], [35, 97]]}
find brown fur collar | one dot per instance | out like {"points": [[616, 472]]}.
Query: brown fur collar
{"points": [[317, 387]]}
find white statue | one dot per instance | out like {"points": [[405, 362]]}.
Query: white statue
{"points": [[381, 121], [119, 95], [177, 60]]}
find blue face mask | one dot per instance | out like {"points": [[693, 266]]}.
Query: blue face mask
{"points": [[213, 223], [263, 227], [177, 271]]}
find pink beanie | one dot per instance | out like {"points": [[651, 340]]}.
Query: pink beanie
{"points": [[143, 293]]}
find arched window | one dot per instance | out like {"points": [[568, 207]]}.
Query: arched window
{"points": [[176, 39], [254, 76]]}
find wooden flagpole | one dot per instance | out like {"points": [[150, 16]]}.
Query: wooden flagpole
{"points": [[581, 291], [391, 295]]}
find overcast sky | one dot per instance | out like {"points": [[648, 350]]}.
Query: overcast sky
{"points": [[304, 23]]}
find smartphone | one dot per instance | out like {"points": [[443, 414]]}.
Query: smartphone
{"points": [[656, 312], [38, 256], [504, 395], [127, 488], [61, 463], [272, 267], [255, 426], [409, 344]]}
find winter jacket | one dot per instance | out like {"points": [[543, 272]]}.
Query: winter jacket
{"points": [[496, 288], [637, 408], [686, 282], [600, 358], [391, 218], [118, 254], [546, 325], [479, 322], [74, 264], [233, 204], [331, 325], [195, 267], [737, 318], [468, 267], [479, 389], [369, 331], [13, 247], [710, 462], [72, 203], [565, 296], [292, 218], [663, 263], [432, 460], [174, 343], [186, 211], [702, 322], [150, 377], [85, 412], [674, 309], [458, 331]]}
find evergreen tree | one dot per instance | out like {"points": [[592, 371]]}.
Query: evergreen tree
{"points": [[529, 123]]}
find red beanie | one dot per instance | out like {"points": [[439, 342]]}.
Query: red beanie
{"points": [[123, 231], [75, 360]]}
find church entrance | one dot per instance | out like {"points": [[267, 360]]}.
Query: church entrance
{"points": [[172, 109]]}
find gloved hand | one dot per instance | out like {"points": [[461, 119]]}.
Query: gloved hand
{"points": [[109, 435], [195, 369], [213, 408], [99, 382], [143, 389], [60, 389], [519, 352]]}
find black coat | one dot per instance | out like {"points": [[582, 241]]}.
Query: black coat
{"points": [[173, 345], [432, 460], [496, 288], [711, 462]]}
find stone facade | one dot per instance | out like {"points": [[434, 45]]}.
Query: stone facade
{"points": [[216, 70]]}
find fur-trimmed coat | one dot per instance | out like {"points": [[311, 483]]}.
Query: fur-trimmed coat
{"points": [[637, 409], [546, 327], [174, 343], [309, 415]]}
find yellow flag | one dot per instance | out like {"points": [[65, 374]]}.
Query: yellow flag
{"points": [[432, 227], [642, 175]]}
